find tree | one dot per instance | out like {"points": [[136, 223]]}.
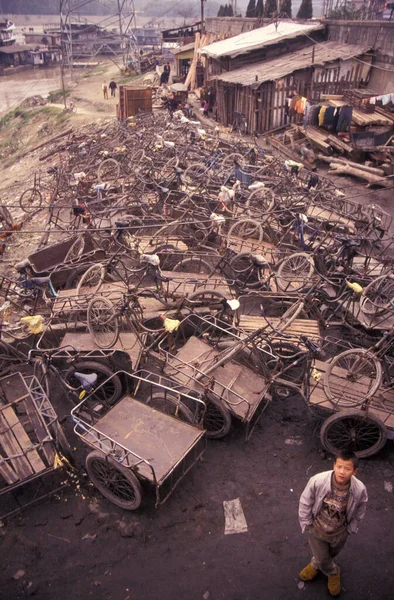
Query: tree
{"points": [[220, 11], [251, 10], [186, 11], [230, 11], [260, 8], [269, 8], [285, 7], [305, 11]]}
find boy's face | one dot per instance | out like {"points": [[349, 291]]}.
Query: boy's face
{"points": [[343, 471]]}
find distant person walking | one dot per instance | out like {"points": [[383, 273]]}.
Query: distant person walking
{"points": [[104, 87], [112, 87]]}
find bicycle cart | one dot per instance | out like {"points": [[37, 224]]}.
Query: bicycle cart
{"points": [[358, 421], [135, 442], [31, 439]]}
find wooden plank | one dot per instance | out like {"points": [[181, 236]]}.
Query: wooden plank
{"points": [[23, 439], [5, 470], [11, 447], [40, 430]]}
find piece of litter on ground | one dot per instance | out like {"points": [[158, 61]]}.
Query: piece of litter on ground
{"points": [[300, 585], [294, 441], [19, 574], [206, 596], [388, 486], [235, 521]]}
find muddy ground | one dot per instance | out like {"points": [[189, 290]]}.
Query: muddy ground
{"points": [[77, 545]]}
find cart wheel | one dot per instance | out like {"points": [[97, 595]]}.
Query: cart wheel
{"points": [[92, 280], [295, 272], [217, 419], [62, 444], [76, 250], [109, 393], [377, 296], [352, 377], [171, 405], [285, 353], [30, 200], [245, 229], [208, 298], [193, 265], [118, 484], [362, 433], [103, 322], [108, 171], [260, 202]]}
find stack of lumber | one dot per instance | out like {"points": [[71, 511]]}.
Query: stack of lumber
{"points": [[340, 166], [200, 42], [364, 119]]}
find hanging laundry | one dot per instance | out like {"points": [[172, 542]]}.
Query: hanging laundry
{"points": [[345, 118], [314, 118], [307, 113], [329, 117], [336, 119], [321, 115]]}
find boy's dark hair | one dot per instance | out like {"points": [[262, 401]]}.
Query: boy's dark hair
{"points": [[348, 455]]}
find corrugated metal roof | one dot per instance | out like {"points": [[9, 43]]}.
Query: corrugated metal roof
{"points": [[184, 48], [257, 38], [271, 70]]}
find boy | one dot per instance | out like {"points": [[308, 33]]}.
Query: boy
{"points": [[331, 506]]}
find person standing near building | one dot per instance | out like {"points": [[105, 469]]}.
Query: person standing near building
{"points": [[104, 87], [112, 87], [331, 506]]}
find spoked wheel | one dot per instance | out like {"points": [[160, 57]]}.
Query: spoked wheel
{"points": [[195, 174], [352, 377], [291, 361], [355, 431], [108, 171], [103, 322], [192, 265], [92, 280], [217, 419], [208, 298], [76, 249], [62, 444], [118, 484], [245, 229], [109, 393], [170, 404], [295, 272], [30, 200], [246, 269], [260, 202], [378, 296]]}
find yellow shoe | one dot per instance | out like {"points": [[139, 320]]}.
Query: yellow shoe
{"points": [[308, 573], [334, 584]]}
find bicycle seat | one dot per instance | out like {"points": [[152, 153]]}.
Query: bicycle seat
{"points": [[347, 242], [178, 170], [87, 380], [163, 189], [40, 280]]}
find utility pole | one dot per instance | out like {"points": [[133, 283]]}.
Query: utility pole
{"points": [[202, 18], [66, 43]]}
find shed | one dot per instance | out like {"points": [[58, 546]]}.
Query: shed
{"points": [[15, 55], [261, 90], [183, 58], [133, 99]]}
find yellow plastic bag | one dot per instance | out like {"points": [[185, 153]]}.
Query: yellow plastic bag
{"points": [[171, 325], [35, 323]]}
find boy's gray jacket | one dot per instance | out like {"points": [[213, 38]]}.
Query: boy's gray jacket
{"points": [[312, 499]]}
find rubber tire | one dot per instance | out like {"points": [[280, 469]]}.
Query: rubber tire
{"points": [[127, 474], [358, 415], [38, 202], [255, 223], [268, 206], [301, 286], [374, 387], [106, 162], [99, 368], [113, 317], [186, 261], [101, 268], [219, 407], [184, 413], [62, 444], [76, 250]]}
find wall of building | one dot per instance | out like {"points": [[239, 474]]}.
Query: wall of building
{"points": [[229, 26]]}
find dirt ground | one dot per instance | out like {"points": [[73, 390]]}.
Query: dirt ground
{"points": [[77, 545]]}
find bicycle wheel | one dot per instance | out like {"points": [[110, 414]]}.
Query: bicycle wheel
{"points": [[103, 322], [352, 377], [118, 484], [377, 297], [109, 393], [260, 202], [195, 174], [92, 280], [170, 404], [217, 419], [192, 265], [295, 272], [206, 298], [355, 431], [246, 269], [76, 249], [292, 369], [108, 171], [245, 229], [289, 316], [30, 200]]}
